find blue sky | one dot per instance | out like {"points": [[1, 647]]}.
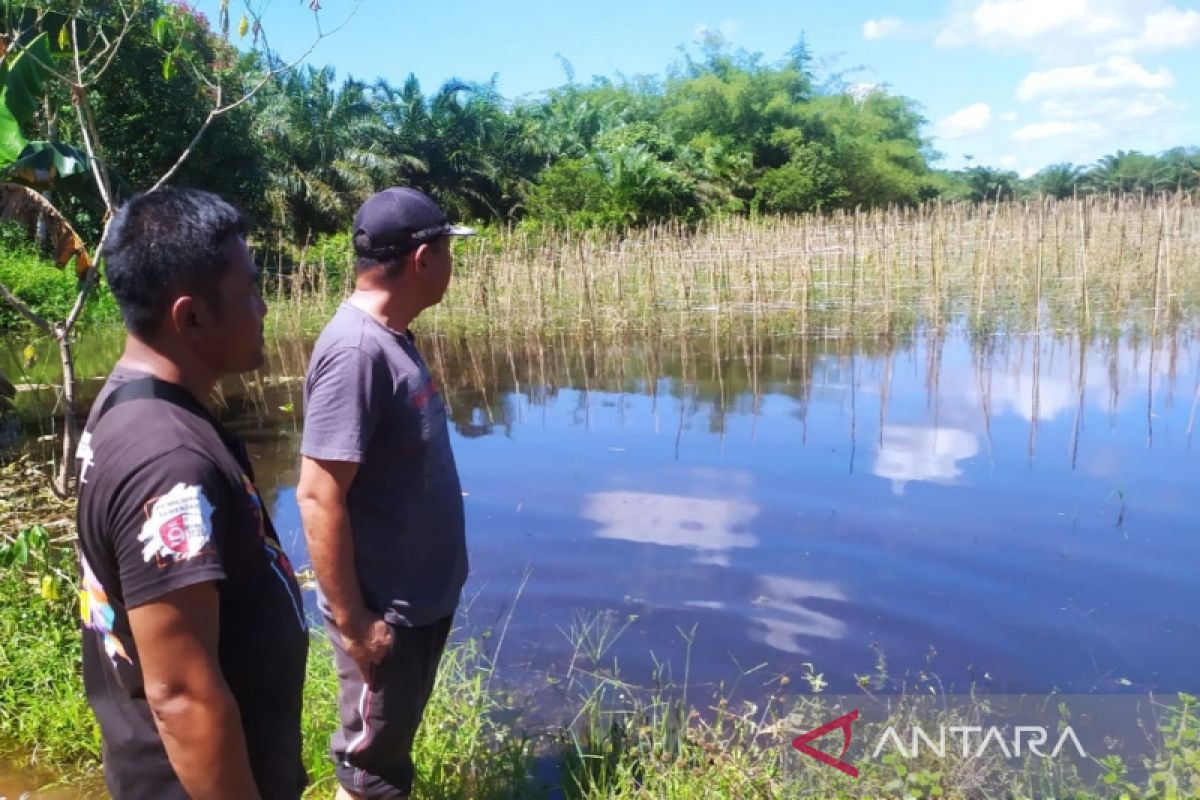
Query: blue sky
{"points": [[1012, 83]]}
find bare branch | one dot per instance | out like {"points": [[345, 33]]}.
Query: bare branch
{"points": [[115, 47], [87, 125], [220, 110], [208, 121], [25, 311], [85, 290]]}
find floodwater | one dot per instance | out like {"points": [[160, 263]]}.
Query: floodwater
{"points": [[1014, 513], [18, 784]]}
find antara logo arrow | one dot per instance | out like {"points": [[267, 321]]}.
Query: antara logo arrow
{"points": [[801, 743]]}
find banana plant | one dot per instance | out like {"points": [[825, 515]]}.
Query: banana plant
{"points": [[30, 170]]}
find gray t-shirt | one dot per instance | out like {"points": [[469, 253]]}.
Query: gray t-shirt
{"points": [[369, 399]]}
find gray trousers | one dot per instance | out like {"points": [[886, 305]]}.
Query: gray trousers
{"points": [[372, 746]]}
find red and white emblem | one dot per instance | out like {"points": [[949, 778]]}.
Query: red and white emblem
{"points": [[178, 525]]}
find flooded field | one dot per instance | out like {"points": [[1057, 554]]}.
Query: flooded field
{"points": [[1007, 512], [1010, 513]]}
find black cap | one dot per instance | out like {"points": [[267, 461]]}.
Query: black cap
{"points": [[395, 221]]}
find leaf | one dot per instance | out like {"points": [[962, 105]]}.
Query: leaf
{"points": [[49, 588], [22, 89], [64, 38], [49, 165], [159, 30], [168, 67], [23, 204], [29, 354], [11, 140]]}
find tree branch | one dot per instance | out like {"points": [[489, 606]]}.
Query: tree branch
{"points": [[114, 47], [25, 310], [87, 126], [89, 281], [208, 121], [220, 110]]}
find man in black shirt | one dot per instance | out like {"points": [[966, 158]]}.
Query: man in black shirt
{"points": [[194, 639]]}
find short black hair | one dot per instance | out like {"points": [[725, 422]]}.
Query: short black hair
{"points": [[165, 243], [393, 264]]}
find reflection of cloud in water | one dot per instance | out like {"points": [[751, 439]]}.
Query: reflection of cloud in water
{"points": [[785, 618], [710, 605], [696, 523], [1013, 392], [1106, 373], [918, 453]]}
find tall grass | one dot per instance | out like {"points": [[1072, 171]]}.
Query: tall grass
{"points": [[1089, 265]]}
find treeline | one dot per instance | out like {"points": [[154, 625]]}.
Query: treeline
{"points": [[723, 132], [1126, 171]]}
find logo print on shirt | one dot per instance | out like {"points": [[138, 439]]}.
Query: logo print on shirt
{"points": [[423, 395], [178, 525], [98, 614], [84, 455], [278, 559]]}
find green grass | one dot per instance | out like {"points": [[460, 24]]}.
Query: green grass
{"points": [[47, 290]]}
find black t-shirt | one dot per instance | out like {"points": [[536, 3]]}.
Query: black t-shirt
{"points": [[164, 503]]}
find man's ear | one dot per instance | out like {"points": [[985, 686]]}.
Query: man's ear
{"points": [[183, 317], [419, 255]]}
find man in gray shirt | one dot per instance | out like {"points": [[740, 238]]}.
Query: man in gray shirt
{"points": [[379, 493]]}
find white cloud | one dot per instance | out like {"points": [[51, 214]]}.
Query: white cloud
{"points": [[965, 121], [1115, 74], [1009, 161], [1011, 116], [1001, 23], [1065, 30], [1141, 105], [1163, 30], [1056, 128], [881, 28]]}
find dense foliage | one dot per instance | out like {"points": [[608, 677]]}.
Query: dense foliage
{"points": [[723, 132]]}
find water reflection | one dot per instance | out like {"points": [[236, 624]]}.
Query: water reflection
{"points": [[788, 623], [911, 453], [697, 523], [1022, 504]]}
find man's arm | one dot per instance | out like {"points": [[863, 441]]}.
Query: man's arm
{"points": [[321, 494], [197, 717]]}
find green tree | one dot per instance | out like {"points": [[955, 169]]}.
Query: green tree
{"points": [[1127, 171], [326, 151], [1059, 180]]}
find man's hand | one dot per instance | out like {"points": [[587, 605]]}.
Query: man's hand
{"points": [[368, 644], [321, 494]]}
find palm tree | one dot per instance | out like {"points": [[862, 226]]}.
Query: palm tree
{"points": [[326, 150], [987, 183], [1181, 168], [1127, 171], [1059, 180], [461, 147]]}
